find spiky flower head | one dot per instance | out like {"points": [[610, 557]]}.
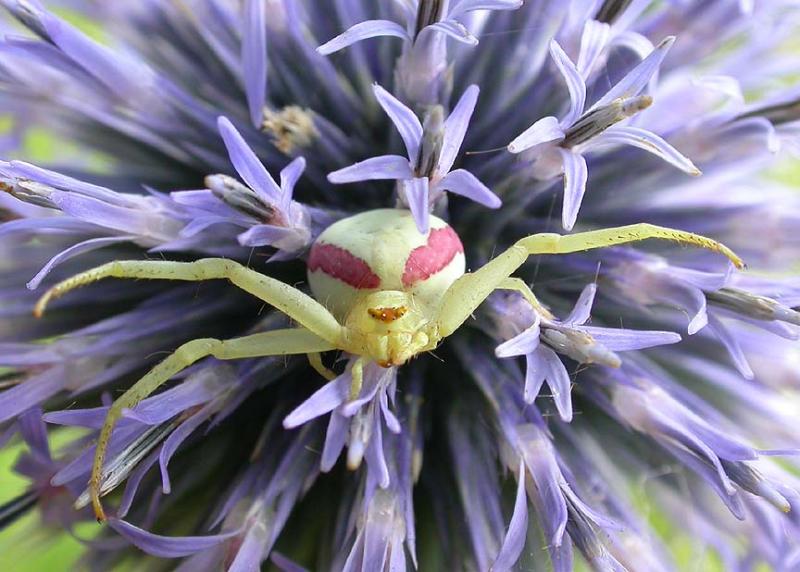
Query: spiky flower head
{"points": [[654, 386]]}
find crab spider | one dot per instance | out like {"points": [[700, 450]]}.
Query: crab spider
{"points": [[382, 292]]}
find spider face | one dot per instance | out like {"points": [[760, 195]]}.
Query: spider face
{"points": [[383, 280], [389, 327]]}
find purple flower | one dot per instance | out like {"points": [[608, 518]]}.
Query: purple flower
{"points": [[432, 149], [546, 336], [263, 207], [421, 68], [555, 146], [243, 130]]}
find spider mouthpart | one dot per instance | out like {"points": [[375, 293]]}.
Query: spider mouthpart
{"points": [[388, 314]]}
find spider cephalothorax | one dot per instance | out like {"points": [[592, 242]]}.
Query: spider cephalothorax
{"points": [[383, 280], [382, 292]]}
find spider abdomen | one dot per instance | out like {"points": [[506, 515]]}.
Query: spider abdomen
{"points": [[383, 250]]}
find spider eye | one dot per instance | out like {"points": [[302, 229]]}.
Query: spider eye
{"points": [[387, 314]]}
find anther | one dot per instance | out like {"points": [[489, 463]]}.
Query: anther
{"points": [[429, 12], [240, 197], [777, 114], [596, 121], [611, 10], [432, 138], [30, 192], [753, 305]]}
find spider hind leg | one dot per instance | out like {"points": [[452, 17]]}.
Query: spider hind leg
{"points": [[272, 343]]}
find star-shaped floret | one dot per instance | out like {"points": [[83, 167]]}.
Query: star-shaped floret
{"points": [[557, 146], [419, 20], [573, 338], [425, 174]]}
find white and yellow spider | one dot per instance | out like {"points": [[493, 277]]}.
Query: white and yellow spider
{"points": [[382, 292]]}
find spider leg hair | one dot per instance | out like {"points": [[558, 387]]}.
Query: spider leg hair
{"points": [[272, 343], [297, 305], [469, 291]]}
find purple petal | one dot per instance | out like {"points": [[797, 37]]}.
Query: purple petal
{"points": [[416, 192], [376, 458], [404, 119], [388, 416], [363, 31], [59, 181], [335, 438], [514, 541], [634, 41], [455, 128], [535, 371], [244, 160], [605, 523], [593, 42], [559, 382], [376, 538], [638, 77], [254, 58], [375, 168], [368, 392], [133, 482], [176, 438], [574, 81], [265, 235], [623, 340], [201, 388], [92, 418], [678, 434], [35, 390], [648, 141], [123, 76], [289, 177], [72, 252], [464, 183], [545, 130], [471, 5], [248, 556], [107, 215], [702, 280], [725, 337], [575, 175], [34, 432], [324, 400], [453, 29], [688, 298], [397, 558], [543, 468], [285, 565], [521, 344], [583, 307], [167, 546]]}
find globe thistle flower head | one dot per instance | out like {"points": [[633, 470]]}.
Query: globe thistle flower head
{"points": [[602, 397]]}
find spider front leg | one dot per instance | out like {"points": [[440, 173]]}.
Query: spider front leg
{"points": [[296, 304], [356, 378], [273, 343], [518, 285], [469, 291], [315, 359]]}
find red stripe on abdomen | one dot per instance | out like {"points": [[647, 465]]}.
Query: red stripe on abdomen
{"points": [[425, 261], [338, 263]]}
